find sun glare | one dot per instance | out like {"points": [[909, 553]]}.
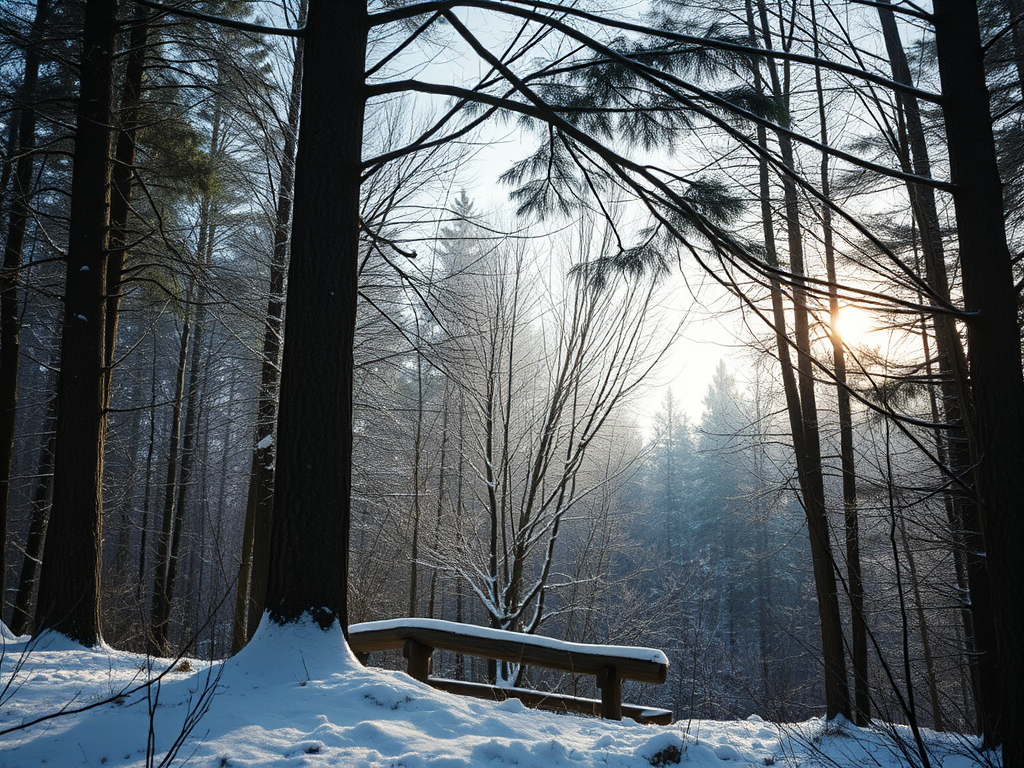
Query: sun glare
{"points": [[854, 326]]}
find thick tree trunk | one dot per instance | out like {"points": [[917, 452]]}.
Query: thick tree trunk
{"points": [[17, 221], [994, 341], [959, 448], [308, 571], [251, 593], [69, 588]]}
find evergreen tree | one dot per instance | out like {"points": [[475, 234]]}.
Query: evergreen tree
{"points": [[671, 472]]}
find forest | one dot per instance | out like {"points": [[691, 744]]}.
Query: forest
{"points": [[349, 311]]}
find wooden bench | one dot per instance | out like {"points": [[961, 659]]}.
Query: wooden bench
{"points": [[609, 664]]}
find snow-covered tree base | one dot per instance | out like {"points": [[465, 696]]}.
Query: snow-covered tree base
{"points": [[297, 652]]}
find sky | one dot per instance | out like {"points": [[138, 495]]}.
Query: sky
{"points": [[713, 332], [296, 697], [707, 334]]}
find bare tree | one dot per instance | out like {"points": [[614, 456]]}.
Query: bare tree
{"points": [[545, 371]]}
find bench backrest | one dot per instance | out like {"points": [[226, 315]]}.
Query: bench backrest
{"points": [[647, 665]]}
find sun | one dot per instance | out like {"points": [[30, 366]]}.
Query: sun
{"points": [[854, 326]]}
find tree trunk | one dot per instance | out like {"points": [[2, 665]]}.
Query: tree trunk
{"points": [[493, 513], [802, 411], [123, 173], [417, 460], [179, 465], [42, 497], [161, 624], [957, 552], [17, 221], [837, 696], [251, 591], [161, 600], [308, 571], [858, 625], [439, 517], [9, 151], [959, 449], [994, 342], [140, 584], [69, 588], [931, 679]]}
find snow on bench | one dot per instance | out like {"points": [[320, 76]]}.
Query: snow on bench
{"points": [[610, 664]]}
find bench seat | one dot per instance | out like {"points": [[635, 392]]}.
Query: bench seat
{"points": [[609, 664]]}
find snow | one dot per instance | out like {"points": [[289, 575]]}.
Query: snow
{"points": [[265, 443], [466, 630], [295, 696]]}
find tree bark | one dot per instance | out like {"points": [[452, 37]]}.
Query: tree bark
{"points": [[11, 146], [308, 573], [69, 588], [959, 448], [251, 593], [997, 379]]}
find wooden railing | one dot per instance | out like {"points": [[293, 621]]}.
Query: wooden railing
{"points": [[609, 664]]}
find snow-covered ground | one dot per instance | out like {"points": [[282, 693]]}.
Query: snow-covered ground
{"points": [[295, 697]]}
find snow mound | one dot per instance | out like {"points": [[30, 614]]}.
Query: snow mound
{"points": [[664, 749], [296, 696], [6, 636], [296, 653]]}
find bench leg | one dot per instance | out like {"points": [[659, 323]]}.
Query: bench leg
{"points": [[611, 693], [418, 655]]}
